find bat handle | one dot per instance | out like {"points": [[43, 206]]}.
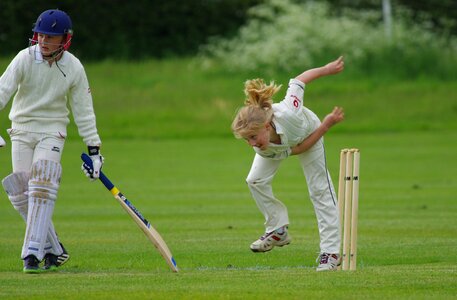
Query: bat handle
{"points": [[88, 161]]}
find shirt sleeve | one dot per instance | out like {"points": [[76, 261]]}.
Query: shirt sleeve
{"points": [[83, 110], [294, 95], [10, 80]]}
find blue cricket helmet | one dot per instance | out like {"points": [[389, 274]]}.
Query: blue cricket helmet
{"points": [[54, 22]]}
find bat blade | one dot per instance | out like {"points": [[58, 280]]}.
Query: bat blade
{"points": [[151, 233]]}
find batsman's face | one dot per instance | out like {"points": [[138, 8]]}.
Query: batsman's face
{"points": [[261, 138], [49, 43]]}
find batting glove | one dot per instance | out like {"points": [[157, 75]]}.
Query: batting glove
{"points": [[93, 171]]}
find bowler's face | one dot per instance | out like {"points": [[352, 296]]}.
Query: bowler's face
{"points": [[260, 139]]}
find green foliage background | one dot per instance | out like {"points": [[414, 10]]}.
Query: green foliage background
{"points": [[141, 29], [127, 29], [289, 36]]}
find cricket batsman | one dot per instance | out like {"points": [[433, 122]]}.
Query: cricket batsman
{"points": [[41, 77]]}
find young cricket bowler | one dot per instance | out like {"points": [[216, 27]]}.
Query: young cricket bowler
{"points": [[277, 131], [41, 77]]}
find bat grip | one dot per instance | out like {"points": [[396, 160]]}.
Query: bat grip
{"points": [[106, 182]]}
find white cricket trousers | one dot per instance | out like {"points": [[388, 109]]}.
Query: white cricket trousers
{"points": [[320, 188], [29, 147]]}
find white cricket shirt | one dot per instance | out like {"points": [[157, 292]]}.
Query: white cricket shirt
{"points": [[40, 102], [293, 121]]}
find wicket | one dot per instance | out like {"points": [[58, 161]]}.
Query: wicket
{"points": [[348, 202]]}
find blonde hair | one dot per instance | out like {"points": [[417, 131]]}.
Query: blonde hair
{"points": [[257, 110]]}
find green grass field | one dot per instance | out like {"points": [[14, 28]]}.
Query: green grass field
{"points": [[168, 148]]}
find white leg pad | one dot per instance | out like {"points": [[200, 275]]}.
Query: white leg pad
{"points": [[16, 185], [52, 242], [43, 186]]}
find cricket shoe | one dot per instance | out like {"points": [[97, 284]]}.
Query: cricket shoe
{"points": [[50, 262], [278, 238], [62, 258], [328, 262], [31, 265]]}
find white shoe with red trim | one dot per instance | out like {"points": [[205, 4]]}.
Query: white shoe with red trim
{"points": [[328, 262], [277, 238]]}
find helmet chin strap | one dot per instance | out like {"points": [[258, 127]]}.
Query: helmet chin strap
{"points": [[53, 58], [53, 55]]}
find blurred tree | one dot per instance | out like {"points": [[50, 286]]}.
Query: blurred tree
{"points": [[441, 14], [152, 28], [437, 15], [127, 29]]}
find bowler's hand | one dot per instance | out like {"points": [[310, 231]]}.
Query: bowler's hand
{"points": [[336, 116], [335, 66]]}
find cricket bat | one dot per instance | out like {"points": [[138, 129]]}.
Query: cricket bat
{"points": [[144, 224]]}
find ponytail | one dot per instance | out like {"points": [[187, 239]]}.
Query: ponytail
{"points": [[257, 110], [259, 94]]}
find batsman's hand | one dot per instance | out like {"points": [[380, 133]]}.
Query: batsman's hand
{"points": [[2, 142], [93, 171]]}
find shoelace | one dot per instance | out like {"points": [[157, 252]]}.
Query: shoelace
{"points": [[266, 235], [324, 258], [279, 232], [273, 233]]}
